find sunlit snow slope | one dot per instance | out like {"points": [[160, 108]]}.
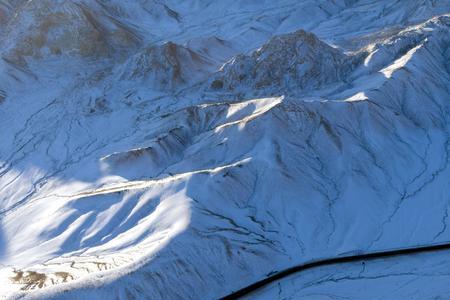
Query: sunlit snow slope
{"points": [[184, 149]]}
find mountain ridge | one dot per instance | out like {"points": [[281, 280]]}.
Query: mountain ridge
{"points": [[131, 170]]}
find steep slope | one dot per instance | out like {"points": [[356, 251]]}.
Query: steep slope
{"points": [[41, 28], [167, 67], [290, 63], [161, 169]]}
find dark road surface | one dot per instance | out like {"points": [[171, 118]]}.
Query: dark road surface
{"points": [[335, 260]]}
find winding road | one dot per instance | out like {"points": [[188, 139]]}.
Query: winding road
{"points": [[356, 256]]}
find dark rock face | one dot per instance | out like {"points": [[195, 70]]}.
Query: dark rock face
{"points": [[295, 61]]}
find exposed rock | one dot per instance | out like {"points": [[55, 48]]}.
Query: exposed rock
{"points": [[292, 62], [42, 29], [166, 66]]}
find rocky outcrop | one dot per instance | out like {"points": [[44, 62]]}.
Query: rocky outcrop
{"points": [[166, 67], [290, 63], [41, 29]]}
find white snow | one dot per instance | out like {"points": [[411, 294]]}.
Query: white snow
{"points": [[183, 149]]}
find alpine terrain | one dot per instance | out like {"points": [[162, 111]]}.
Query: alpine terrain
{"points": [[169, 149]]}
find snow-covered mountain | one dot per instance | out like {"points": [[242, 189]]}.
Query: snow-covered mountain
{"points": [[185, 149]]}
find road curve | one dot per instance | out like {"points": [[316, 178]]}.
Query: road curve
{"points": [[356, 256]]}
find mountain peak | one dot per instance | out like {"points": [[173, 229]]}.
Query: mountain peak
{"points": [[291, 63]]}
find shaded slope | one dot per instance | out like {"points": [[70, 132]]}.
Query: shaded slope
{"points": [[152, 184]]}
